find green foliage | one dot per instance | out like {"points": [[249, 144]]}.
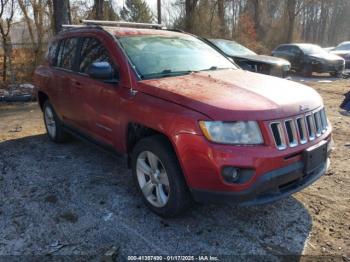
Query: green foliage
{"points": [[136, 11]]}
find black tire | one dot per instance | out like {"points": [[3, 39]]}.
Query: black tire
{"points": [[60, 135], [306, 71], [179, 199]]}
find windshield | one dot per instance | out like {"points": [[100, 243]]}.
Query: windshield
{"points": [[232, 48], [312, 49], [343, 47], [164, 56]]}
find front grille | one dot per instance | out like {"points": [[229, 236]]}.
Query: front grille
{"points": [[299, 130]]}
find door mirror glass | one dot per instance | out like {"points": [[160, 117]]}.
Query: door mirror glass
{"points": [[102, 71]]}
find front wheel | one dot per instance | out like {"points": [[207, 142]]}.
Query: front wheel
{"points": [[336, 74], [53, 125], [159, 177], [306, 71]]}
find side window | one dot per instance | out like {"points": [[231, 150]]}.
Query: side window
{"points": [[52, 53], [295, 50], [92, 50], [282, 48], [67, 52]]}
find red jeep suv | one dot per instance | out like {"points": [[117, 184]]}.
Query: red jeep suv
{"points": [[194, 126]]}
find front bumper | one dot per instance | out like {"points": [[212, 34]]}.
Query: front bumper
{"points": [[274, 174], [268, 188], [328, 67], [347, 64]]}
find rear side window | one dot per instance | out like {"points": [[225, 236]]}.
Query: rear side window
{"points": [[295, 50], [52, 53], [67, 53], [282, 48], [92, 50]]}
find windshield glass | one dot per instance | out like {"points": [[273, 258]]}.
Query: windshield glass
{"points": [[232, 48], [312, 49], [343, 47], [163, 56]]}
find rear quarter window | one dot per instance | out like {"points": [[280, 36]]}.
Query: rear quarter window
{"points": [[282, 48], [52, 52]]}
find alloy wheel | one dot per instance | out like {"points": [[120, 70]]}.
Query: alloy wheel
{"points": [[50, 122], [153, 179]]}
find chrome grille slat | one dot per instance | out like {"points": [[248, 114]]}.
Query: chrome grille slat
{"points": [[324, 120], [291, 133], [310, 124], [318, 124], [278, 134], [299, 130]]}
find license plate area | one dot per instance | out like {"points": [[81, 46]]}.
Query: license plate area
{"points": [[315, 156]]}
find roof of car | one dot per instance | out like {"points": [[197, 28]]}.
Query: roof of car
{"points": [[125, 31], [129, 31], [298, 44]]}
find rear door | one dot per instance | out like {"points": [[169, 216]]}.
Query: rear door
{"points": [[296, 57], [64, 71], [99, 101]]}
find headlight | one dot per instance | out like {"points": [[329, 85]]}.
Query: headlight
{"points": [[237, 133]]}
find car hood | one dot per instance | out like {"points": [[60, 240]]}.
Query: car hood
{"points": [[230, 95], [327, 56], [265, 59]]}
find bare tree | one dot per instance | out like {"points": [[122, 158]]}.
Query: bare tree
{"points": [[291, 15], [190, 6], [221, 14], [159, 11], [61, 14], [38, 26], [98, 7], [6, 6]]}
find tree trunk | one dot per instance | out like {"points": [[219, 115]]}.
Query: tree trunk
{"points": [[61, 14], [98, 6], [291, 6], [4, 67], [190, 6], [221, 14], [159, 9]]}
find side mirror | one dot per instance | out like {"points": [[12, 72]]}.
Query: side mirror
{"points": [[101, 71]]}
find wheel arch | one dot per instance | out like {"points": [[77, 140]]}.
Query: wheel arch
{"points": [[42, 98], [136, 132]]}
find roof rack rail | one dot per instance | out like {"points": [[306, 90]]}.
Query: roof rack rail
{"points": [[123, 24], [72, 26]]}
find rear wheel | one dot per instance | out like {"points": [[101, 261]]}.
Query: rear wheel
{"points": [[53, 125], [159, 177]]}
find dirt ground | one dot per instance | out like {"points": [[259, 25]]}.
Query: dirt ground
{"points": [[74, 199]]}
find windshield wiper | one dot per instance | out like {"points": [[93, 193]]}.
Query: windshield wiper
{"points": [[168, 73], [213, 68]]}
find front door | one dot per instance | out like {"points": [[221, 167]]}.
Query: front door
{"points": [[99, 102]]}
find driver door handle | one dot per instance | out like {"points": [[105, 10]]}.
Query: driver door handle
{"points": [[77, 84]]}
